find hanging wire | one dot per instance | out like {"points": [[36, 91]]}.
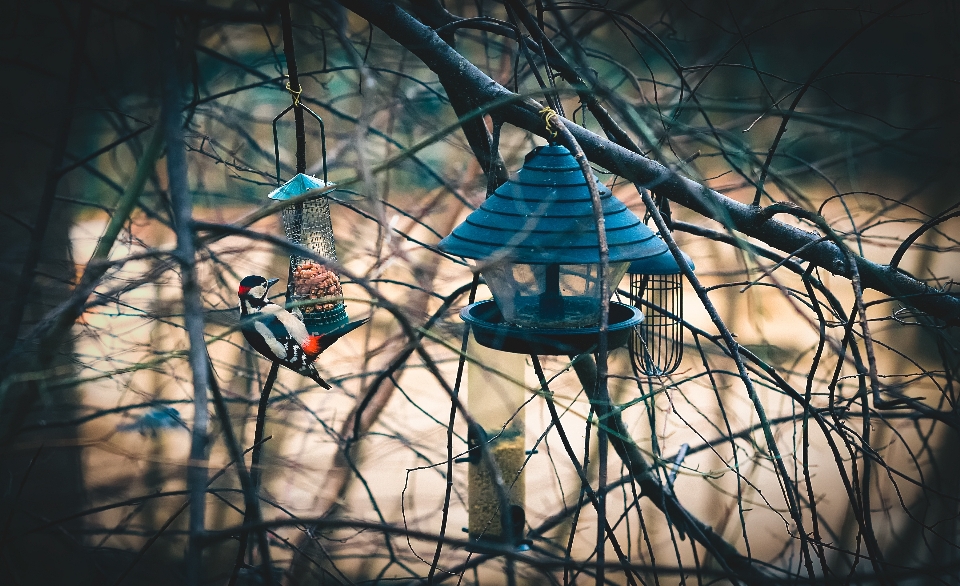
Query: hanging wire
{"points": [[323, 138], [308, 223], [550, 119]]}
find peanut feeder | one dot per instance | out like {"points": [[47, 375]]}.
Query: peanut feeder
{"points": [[312, 285]]}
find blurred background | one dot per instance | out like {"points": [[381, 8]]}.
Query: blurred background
{"points": [[95, 422]]}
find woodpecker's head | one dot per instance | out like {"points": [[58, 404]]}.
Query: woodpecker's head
{"points": [[253, 292]]}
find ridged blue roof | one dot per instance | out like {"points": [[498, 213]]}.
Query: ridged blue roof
{"points": [[662, 264], [545, 216]]}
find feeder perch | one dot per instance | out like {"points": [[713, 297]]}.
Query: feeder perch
{"points": [[656, 287], [312, 286]]}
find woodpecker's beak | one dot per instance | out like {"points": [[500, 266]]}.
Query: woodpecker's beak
{"points": [[271, 282]]}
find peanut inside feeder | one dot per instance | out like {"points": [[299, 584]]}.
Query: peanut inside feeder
{"points": [[312, 280]]}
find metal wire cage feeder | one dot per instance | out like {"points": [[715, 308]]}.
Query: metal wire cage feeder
{"points": [[656, 288], [312, 287]]}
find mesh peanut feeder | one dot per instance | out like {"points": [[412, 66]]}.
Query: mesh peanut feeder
{"points": [[312, 286]]}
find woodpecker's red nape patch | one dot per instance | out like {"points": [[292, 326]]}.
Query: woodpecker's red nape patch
{"points": [[243, 290], [312, 346]]}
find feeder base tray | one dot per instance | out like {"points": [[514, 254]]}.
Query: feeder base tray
{"points": [[321, 322], [490, 330]]}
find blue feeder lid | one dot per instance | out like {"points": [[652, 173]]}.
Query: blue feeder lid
{"points": [[545, 216], [298, 185], [661, 264]]}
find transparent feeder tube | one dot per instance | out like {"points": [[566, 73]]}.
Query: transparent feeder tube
{"points": [[496, 404]]}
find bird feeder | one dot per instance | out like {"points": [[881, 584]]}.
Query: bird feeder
{"points": [[656, 287], [312, 286], [535, 243]]}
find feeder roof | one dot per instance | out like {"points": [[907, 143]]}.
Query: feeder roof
{"points": [[661, 264], [299, 185], [545, 216]]}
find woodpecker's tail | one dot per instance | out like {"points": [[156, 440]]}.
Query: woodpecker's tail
{"points": [[327, 340], [310, 371]]}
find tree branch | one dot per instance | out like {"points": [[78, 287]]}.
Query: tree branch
{"points": [[182, 204], [459, 76]]}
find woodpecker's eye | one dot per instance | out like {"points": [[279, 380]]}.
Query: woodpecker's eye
{"points": [[258, 292]]}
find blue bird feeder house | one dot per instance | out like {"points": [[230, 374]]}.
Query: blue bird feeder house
{"points": [[534, 241]]}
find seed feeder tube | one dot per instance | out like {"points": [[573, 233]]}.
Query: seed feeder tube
{"points": [[535, 242], [312, 286], [495, 400]]}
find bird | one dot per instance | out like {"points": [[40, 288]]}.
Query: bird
{"points": [[153, 420], [281, 336]]}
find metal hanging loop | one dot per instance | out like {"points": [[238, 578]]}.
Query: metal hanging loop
{"points": [[323, 134]]}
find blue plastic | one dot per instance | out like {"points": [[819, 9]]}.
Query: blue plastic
{"points": [[299, 185], [661, 264], [545, 216]]}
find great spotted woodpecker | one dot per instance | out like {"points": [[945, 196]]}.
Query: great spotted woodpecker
{"points": [[279, 335]]}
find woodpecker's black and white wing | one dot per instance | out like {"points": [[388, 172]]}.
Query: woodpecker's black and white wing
{"points": [[267, 332]]}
